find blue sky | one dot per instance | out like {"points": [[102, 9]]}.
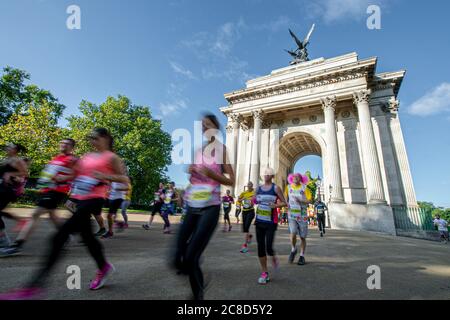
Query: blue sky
{"points": [[180, 56]]}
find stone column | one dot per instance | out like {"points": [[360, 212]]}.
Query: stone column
{"points": [[335, 180], [256, 147], [233, 127], [375, 192]]}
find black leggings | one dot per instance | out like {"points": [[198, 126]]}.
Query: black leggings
{"points": [[247, 218], [7, 195], [195, 232], [265, 234], [321, 222], [79, 222]]}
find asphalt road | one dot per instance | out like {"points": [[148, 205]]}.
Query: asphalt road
{"points": [[336, 266]]}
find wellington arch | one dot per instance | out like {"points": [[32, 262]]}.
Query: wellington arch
{"points": [[339, 109]]}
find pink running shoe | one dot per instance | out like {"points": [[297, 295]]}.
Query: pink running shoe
{"points": [[101, 276], [24, 294], [20, 224]]}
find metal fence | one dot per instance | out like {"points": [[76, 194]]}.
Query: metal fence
{"points": [[413, 219]]}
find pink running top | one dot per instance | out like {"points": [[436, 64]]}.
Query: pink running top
{"points": [[205, 191], [85, 185]]}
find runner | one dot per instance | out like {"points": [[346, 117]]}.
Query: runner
{"points": [[116, 198], [92, 173], [54, 184], [442, 227], [203, 198], [237, 211], [125, 204], [227, 200], [247, 199], [320, 209], [157, 204], [266, 222], [298, 197], [13, 171], [170, 198]]}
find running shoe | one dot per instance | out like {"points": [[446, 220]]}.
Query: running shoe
{"points": [[107, 235], [229, 229], [9, 252], [263, 278], [321, 234], [24, 294], [301, 261], [20, 224], [292, 255], [100, 232], [244, 249], [101, 276], [167, 231], [146, 226]]}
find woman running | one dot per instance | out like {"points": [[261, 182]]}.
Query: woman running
{"points": [[203, 199], [266, 221], [227, 200], [247, 199], [237, 211], [93, 172], [116, 195], [125, 204], [13, 171], [157, 204], [170, 198]]}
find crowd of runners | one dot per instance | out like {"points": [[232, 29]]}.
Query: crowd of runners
{"points": [[84, 185]]}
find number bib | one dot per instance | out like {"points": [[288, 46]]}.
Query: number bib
{"points": [[247, 203], [168, 198], [200, 195], [264, 211], [156, 196], [226, 205], [83, 185], [46, 178]]}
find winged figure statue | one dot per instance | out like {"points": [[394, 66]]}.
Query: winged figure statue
{"points": [[301, 53]]}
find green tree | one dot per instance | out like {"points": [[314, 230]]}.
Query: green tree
{"points": [[16, 97], [37, 130], [138, 139]]}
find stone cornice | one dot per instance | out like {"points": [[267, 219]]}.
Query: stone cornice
{"points": [[297, 85]]}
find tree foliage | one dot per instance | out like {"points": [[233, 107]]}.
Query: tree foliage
{"points": [[38, 131], [17, 98], [138, 139], [444, 213]]}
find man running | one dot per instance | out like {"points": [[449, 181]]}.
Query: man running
{"points": [[266, 223], [442, 227], [298, 197], [125, 204], [170, 199], [320, 209], [54, 184], [227, 200], [247, 199], [237, 211], [157, 204]]}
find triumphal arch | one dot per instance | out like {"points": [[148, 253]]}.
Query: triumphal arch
{"points": [[340, 109]]}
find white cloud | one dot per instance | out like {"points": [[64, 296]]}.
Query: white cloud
{"points": [[181, 70], [434, 102], [280, 23], [335, 10], [172, 108]]}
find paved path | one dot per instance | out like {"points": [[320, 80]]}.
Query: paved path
{"points": [[336, 269]]}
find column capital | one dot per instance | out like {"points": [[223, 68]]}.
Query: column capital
{"points": [[329, 102], [229, 128], [235, 118], [258, 115], [391, 106], [361, 96]]}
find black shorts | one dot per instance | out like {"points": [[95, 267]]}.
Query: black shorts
{"points": [[247, 218], [114, 205], [51, 199], [156, 208]]}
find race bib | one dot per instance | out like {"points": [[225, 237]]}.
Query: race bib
{"points": [[247, 203], [83, 185], [264, 213], [156, 197], [226, 205], [200, 195], [320, 211], [47, 175]]}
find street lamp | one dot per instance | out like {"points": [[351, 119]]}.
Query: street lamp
{"points": [[318, 184]]}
